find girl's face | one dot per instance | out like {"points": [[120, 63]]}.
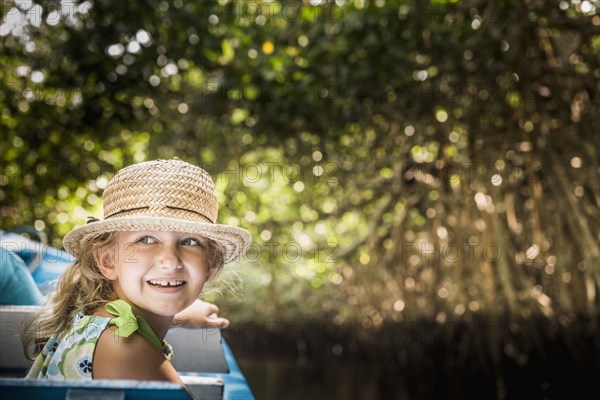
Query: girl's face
{"points": [[158, 273]]}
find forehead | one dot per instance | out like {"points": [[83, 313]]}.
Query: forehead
{"points": [[160, 235]]}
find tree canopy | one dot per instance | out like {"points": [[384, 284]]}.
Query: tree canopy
{"points": [[393, 160]]}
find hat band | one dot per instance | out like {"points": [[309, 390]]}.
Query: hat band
{"points": [[124, 210]]}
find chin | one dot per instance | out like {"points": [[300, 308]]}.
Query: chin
{"points": [[169, 311]]}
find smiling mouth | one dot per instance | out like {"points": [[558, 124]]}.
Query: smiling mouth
{"points": [[164, 283]]}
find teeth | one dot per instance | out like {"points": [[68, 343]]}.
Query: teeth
{"points": [[162, 283]]}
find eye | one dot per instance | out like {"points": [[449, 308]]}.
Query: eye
{"points": [[192, 242], [146, 240]]}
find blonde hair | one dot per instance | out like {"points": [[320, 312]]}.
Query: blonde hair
{"points": [[83, 288]]}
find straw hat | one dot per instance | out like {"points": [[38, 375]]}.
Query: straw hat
{"points": [[161, 195]]}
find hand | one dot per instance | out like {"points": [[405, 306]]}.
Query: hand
{"points": [[200, 314]]}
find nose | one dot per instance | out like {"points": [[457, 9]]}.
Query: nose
{"points": [[169, 259]]}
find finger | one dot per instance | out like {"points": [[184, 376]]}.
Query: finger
{"points": [[218, 322], [212, 308]]}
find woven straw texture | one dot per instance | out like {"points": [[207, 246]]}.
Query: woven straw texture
{"points": [[161, 195]]}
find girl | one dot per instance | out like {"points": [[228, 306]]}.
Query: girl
{"points": [[145, 262]]}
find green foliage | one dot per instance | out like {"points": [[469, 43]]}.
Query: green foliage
{"points": [[379, 152]]}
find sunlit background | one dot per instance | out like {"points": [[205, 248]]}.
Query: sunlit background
{"points": [[421, 179]]}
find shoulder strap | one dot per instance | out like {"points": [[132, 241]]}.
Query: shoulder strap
{"points": [[127, 323]]}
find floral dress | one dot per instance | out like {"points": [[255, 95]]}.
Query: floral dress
{"points": [[69, 355]]}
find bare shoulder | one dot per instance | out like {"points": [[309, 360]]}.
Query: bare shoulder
{"points": [[116, 357]]}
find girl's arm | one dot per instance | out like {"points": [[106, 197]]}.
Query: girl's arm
{"points": [[200, 314], [116, 357]]}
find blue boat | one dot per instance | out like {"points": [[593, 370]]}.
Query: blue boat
{"points": [[203, 359]]}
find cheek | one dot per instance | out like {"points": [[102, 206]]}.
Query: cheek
{"points": [[200, 276], [197, 265], [131, 275]]}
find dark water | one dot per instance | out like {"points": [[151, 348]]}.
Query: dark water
{"points": [[287, 379], [418, 362]]}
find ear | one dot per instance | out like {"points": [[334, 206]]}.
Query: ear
{"points": [[104, 263]]}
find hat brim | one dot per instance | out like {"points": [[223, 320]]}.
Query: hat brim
{"points": [[234, 240]]}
